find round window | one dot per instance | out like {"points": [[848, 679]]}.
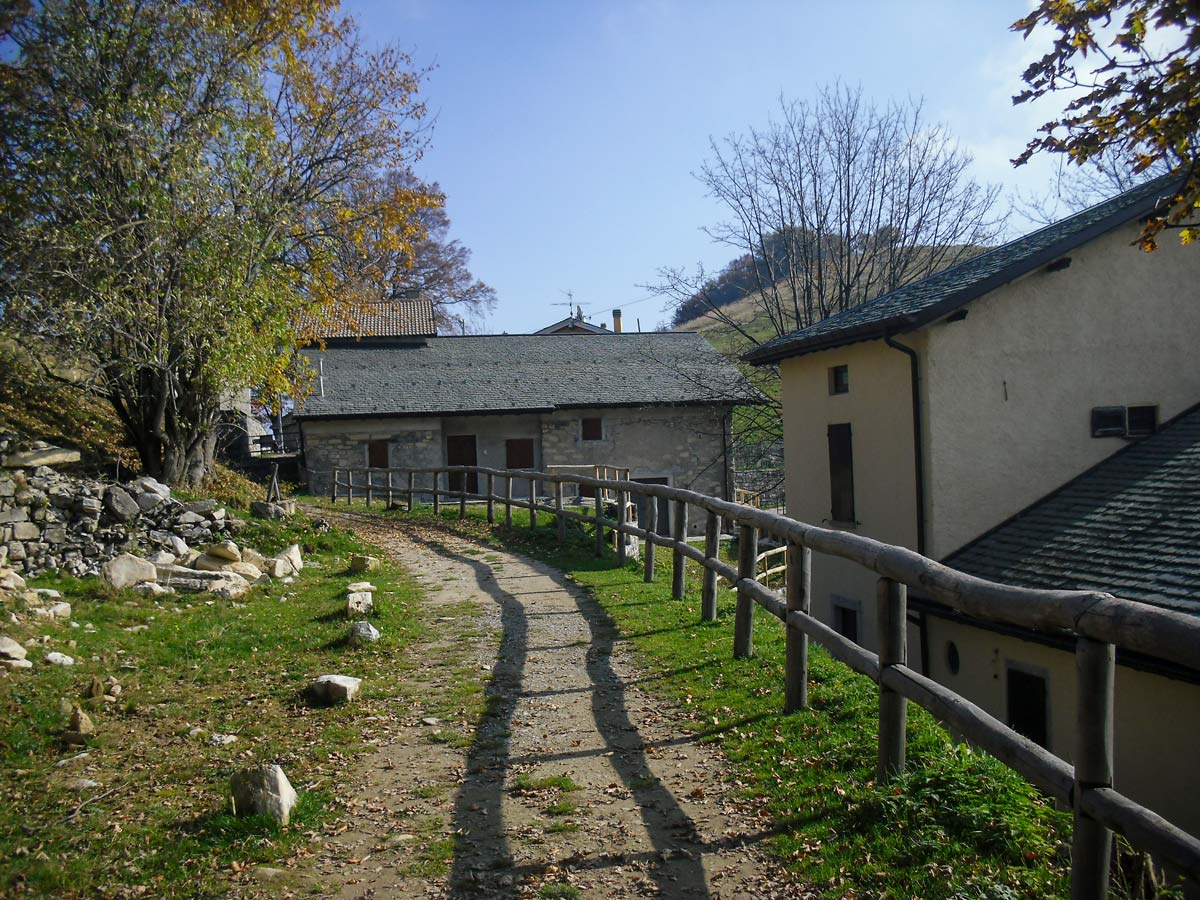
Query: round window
{"points": [[952, 660]]}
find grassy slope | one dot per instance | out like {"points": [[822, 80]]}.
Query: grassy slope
{"points": [[958, 825], [159, 825]]}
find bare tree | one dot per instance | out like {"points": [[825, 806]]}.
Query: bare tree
{"points": [[836, 201], [1076, 187]]}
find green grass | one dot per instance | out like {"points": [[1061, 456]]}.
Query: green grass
{"points": [[959, 824], [159, 825], [560, 891], [524, 783]]}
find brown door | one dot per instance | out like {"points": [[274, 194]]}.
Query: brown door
{"points": [[377, 454], [460, 451], [518, 453]]}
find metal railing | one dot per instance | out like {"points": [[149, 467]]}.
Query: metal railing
{"points": [[1098, 621]]}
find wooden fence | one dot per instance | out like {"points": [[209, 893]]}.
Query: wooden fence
{"points": [[1099, 623]]}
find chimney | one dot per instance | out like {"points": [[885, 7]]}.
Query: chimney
{"points": [[616, 321]]}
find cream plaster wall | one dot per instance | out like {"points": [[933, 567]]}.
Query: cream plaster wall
{"points": [[1157, 738], [1008, 391], [878, 407]]}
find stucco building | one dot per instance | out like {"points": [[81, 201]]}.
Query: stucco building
{"points": [[657, 403], [931, 414]]}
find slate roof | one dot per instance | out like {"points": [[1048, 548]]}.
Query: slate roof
{"points": [[922, 302], [1130, 526], [383, 319], [522, 373]]}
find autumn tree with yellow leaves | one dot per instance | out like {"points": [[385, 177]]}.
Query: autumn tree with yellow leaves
{"points": [[1131, 70], [184, 182]]}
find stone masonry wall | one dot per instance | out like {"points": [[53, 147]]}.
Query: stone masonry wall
{"points": [[343, 443]]}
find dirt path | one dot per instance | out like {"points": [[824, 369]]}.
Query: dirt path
{"points": [[650, 817]]}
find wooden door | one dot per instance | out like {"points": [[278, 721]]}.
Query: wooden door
{"points": [[518, 453], [377, 454], [460, 451]]}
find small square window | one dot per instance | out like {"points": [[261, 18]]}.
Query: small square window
{"points": [[592, 429], [845, 621], [1108, 421], [839, 380], [1142, 420]]}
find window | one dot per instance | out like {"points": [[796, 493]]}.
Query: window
{"points": [[518, 453], [839, 380], [841, 474], [1028, 705], [845, 620], [592, 429], [377, 454], [1124, 421], [953, 663], [1141, 420]]}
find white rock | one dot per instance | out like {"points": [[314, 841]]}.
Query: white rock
{"points": [[16, 663], [60, 610], [359, 604], [10, 649], [230, 587], [249, 571], [222, 740], [59, 659], [160, 558], [278, 567], [359, 587], [292, 555], [153, 589], [178, 546], [226, 550], [252, 556], [11, 581], [208, 563], [47, 594], [127, 570], [263, 791], [331, 689], [151, 485], [363, 633], [359, 563]]}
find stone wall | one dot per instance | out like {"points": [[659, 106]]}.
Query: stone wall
{"points": [[50, 520], [343, 443], [683, 445]]}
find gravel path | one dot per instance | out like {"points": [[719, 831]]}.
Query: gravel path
{"points": [[654, 816]]}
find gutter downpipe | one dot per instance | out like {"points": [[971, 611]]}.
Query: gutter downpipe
{"points": [[914, 369]]}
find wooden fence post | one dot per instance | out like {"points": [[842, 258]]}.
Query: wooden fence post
{"points": [[333, 487], [390, 488], [349, 487], [620, 535], [1091, 842], [437, 494], [508, 501], [599, 527], [532, 503], [490, 484], [712, 548], [892, 615], [678, 560], [462, 499], [743, 621], [798, 582], [560, 521], [651, 529], [412, 490], [370, 482]]}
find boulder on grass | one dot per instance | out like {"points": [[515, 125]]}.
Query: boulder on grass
{"points": [[252, 556], [262, 791], [206, 562], [10, 649], [359, 586], [359, 604], [277, 567], [292, 555], [226, 550], [267, 510], [359, 563], [11, 581], [127, 570], [363, 633], [329, 690]]}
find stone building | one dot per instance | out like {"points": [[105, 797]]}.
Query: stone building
{"points": [[658, 403]]}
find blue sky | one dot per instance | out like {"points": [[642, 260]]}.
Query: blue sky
{"points": [[567, 132]]}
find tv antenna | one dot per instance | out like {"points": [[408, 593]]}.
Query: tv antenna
{"points": [[570, 301]]}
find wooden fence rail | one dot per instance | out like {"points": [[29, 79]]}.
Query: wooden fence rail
{"points": [[1098, 621]]}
